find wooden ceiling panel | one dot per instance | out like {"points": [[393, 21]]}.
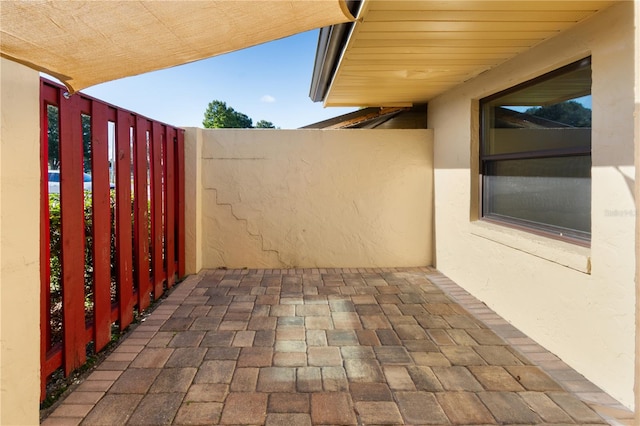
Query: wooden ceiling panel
{"points": [[499, 5], [472, 56], [462, 26], [362, 43], [405, 52], [477, 16], [462, 35], [432, 50]]}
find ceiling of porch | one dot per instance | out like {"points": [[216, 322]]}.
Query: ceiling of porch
{"points": [[404, 52]]}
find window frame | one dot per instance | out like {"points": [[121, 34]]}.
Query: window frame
{"points": [[551, 231]]}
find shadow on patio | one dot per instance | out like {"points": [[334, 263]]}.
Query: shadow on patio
{"points": [[330, 346]]}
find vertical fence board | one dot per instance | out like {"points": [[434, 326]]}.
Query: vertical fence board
{"points": [[141, 220], [157, 137], [180, 203], [123, 218], [170, 209], [72, 225], [101, 225]]}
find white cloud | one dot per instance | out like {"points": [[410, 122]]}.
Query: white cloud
{"points": [[268, 99]]}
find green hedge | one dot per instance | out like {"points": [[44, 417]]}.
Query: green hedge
{"points": [[55, 247]]}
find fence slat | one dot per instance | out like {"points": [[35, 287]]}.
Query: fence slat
{"points": [[141, 220], [73, 238], [101, 225], [157, 137], [170, 207], [123, 218]]}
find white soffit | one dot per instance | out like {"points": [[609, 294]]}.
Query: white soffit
{"points": [[406, 52], [83, 43]]}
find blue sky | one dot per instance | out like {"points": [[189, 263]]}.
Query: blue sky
{"points": [[267, 82]]}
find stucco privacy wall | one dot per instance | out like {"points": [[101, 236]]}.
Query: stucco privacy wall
{"points": [[542, 286], [193, 200], [313, 198], [19, 244]]}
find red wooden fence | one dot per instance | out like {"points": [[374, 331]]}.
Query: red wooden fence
{"points": [[148, 236]]}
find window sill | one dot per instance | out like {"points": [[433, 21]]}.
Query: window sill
{"points": [[560, 252]]}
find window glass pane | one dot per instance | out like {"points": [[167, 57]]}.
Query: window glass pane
{"points": [[547, 192], [523, 140], [554, 113], [536, 153]]}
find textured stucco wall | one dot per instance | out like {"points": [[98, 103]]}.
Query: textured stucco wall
{"points": [[315, 198], [577, 302], [193, 200], [19, 244]]}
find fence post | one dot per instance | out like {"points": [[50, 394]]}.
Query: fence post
{"points": [[155, 147], [123, 218], [101, 225], [72, 231], [170, 206], [141, 220]]}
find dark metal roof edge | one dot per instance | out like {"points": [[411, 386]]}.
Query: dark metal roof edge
{"points": [[341, 118], [357, 118], [372, 123], [331, 43]]}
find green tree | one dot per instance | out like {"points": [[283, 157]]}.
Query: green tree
{"points": [[264, 124], [571, 112], [53, 131], [218, 115]]}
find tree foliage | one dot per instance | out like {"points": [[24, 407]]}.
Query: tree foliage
{"points": [[571, 112], [264, 124], [218, 115], [53, 129]]}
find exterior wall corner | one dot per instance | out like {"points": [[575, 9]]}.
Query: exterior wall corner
{"points": [[193, 200], [19, 244]]}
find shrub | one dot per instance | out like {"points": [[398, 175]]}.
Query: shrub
{"points": [[55, 263]]}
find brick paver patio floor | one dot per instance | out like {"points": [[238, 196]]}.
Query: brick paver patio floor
{"points": [[331, 347]]}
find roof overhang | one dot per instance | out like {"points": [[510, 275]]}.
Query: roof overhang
{"points": [[357, 118], [83, 43], [399, 53]]}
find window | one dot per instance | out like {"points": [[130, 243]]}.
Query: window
{"points": [[535, 154]]}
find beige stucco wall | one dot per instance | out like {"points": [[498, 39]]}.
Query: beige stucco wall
{"points": [[314, 198], [19, 244], [577, 302], [193, 200]]}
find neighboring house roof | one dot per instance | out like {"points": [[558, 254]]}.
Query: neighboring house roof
{"points": [[508, 118], [375, 117], [83, 43], [399, 53]]}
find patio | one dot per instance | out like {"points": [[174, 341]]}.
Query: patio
{"points": [[330, 346]]}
